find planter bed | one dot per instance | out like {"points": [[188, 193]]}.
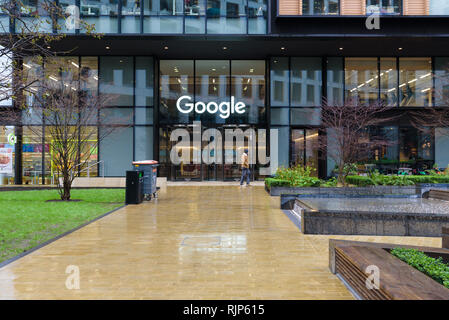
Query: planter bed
{"points": [[398, 280], [349, 191], [383, 216]]}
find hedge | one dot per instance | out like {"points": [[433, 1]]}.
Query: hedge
{"points": [[360, 181], [434, 268], [429, 179], [363, 181], [273, 182]]}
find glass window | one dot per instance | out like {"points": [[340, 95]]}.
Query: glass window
{"points": [[320, 7], [415, 78], [100, 13], [305, 116], [212, 84], [305, 148], [116, 152], [130, 16], [305, 81], [176, 80], [64, 12], [117, 80], [279, 116], [439, 7], [388, 81], [282, 146], [163, 16], [143, 143], [279, 82], [32, 154], [144, 82], [7, 155], [257, 16], [416, 145], [335, 82], [4, 17], [89, 75], [144, 115], [226, 17], [384, 7], [441, 81], [361, 79], [116, 116], [35, 15], [248, 86], [195, 12]]}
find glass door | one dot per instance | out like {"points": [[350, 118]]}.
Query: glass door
{"points": [[305, 148]]}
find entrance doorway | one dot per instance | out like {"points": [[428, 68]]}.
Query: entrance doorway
{"points": [[212, 154]]}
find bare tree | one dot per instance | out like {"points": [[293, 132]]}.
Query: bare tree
{"points": [[347, 125], [72, 112]]}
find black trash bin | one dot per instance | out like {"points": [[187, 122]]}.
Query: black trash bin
{"points": [[149, 169], [134, 187]]}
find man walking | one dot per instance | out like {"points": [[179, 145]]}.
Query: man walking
{"points": [[245, 168]]}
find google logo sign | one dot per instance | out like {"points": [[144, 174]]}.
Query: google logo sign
{"points": [[225, 108]]}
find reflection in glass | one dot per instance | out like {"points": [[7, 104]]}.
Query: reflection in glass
{"points": [[361, 79], [195, 12], [117, 80], [335, 84], [212, 84], [100, 13], [441, 82], [320, 7], [130, 19], [226, 17], [384, 7], [388, 81], [248, 86], [279, 77], [163, 16], [305, 81], [89, 75], [439, 7], [257, 16], [415, 82], [176, 80], [144, 82]]}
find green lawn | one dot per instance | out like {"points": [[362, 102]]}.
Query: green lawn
{"points": [[26, 219]]}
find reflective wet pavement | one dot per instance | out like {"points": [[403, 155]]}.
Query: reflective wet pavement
{"points": [[195, 242]]}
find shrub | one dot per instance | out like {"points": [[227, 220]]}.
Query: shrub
{"points": [[384, 180], [359, 181], [434, 268], [429, 179], [273, 182], [332, 182], [298, 176]]}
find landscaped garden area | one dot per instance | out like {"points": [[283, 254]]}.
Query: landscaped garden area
{"points": [[29, 218], [304, 177]]}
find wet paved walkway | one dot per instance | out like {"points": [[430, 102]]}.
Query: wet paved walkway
{"points": [[196, 242]]}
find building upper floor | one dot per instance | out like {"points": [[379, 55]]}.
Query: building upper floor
{"points": [[362, 7], [214, 17]]}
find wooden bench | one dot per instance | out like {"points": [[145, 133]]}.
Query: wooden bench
{"points": [[397, 280], [439, 194]]}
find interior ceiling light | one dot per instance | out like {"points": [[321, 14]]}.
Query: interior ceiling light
{"points": [[165, 48], [224, 48], [108, 47]]}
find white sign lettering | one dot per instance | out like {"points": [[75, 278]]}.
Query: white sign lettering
{"points": [[225, 108]]}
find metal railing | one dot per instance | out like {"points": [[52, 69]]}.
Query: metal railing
{"points": [[87, 169]]}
